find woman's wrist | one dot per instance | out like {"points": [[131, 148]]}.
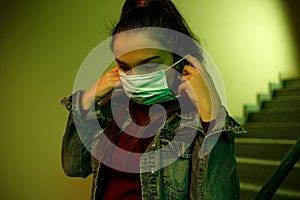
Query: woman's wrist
{"points": [[209, 110], [86, 100]]}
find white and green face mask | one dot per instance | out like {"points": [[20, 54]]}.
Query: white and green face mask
{"points": [[148, 89]]}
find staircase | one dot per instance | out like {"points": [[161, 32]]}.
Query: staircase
{"points": [[273, 128]]}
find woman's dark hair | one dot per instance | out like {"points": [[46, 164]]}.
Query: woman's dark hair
{"points": [[138, 14]]}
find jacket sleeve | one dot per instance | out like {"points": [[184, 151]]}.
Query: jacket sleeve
{"points": [[81, 128], [75, 157]]}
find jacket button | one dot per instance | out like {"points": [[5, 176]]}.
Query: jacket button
{"points": [[152, 145]]}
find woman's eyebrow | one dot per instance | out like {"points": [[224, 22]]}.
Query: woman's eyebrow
{"points": [[140, 62], [148, 60]]}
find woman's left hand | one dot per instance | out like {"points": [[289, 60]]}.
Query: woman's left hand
{"points": [[199, 86]]}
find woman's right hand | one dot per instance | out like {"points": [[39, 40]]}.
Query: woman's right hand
{"points": [[101, 88]]}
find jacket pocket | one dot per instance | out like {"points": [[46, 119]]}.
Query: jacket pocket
{"points": [[175, 174], [175, 179]]}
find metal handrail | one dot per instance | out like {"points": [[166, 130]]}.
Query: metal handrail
{"points": [[279, 175]]}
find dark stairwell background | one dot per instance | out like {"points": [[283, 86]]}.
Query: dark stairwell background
{"points": [[272, 130], [293, 7], [273, 127]]}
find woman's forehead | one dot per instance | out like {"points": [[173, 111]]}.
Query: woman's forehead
{"points": [[140, 56], [134, 42]]}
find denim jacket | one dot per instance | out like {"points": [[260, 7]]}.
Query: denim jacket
{"points": [[206, 169]]}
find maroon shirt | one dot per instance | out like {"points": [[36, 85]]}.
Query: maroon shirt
{"points": [[124, 185]]}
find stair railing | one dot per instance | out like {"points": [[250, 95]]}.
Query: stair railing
{"points": [[279, 175]]}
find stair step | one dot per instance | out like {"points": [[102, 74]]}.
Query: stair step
{"points": [[275, 115], [258, 171], [249, 191], [273, 127], [293, 82], [282, 102], [258, 148], [286, 92], [275, 130]]}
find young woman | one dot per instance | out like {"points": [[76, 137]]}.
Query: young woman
{"points": [[161, 131]]}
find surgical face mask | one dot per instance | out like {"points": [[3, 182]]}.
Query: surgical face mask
{"points": [[148, 89]]}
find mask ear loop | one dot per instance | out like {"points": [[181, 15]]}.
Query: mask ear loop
{"points": [[177, 62]]}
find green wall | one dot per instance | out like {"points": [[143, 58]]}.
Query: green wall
{"points": [[43, 43]]}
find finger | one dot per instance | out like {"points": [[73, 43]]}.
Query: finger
{"points": [[185, 78], [113, 78], [116, 83], [184, 89], [181, 89], [196, 72], [116, 68], [189, 70], [113, 72], [195, 62]]}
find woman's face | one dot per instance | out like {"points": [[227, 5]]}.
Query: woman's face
{"points": [[137, 53]]}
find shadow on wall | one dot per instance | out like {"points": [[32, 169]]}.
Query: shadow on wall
{"points": [[292, 7]]}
